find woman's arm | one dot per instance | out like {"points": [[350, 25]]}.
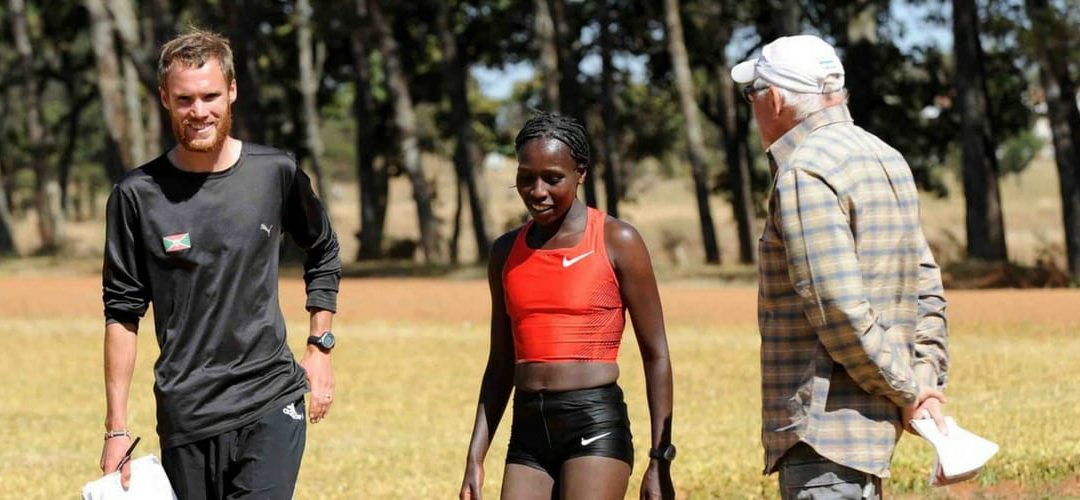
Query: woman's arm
{"points": [[498, 378], [642, 299]]}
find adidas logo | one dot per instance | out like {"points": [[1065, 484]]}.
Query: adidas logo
{"points": [[290, 410]]}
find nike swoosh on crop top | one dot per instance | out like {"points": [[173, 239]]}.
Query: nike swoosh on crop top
{"points": [[564, 303]]}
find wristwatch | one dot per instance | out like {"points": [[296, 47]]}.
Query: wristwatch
{"points": [[665, 453], [325, 341]]}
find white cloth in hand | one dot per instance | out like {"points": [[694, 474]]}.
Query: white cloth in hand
{"points": [[148, 482], [959, 452]]}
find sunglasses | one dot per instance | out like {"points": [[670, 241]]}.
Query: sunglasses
{"points": [[749, 91]]}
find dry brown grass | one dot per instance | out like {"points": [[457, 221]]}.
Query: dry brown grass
{"points": [[409, 364]]}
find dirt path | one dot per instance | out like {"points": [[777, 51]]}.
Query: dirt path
{"points": [[463, 301]]}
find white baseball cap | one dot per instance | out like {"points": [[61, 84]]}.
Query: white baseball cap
{"points": [[800, 63]]}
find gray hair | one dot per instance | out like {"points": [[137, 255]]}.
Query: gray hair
{"points": [[804, 104]]}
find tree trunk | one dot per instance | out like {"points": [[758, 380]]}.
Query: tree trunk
{"points": [[786, 18], [151, 100], [249, 122], [612, 155], [742, 197], [569, 89], [985, 228], [119, 158], [7, 169], [1051, 52], [455, 233], [405, 120], [127, 26], [154, 129], [133, 107], [7, 238], [50, 214], [859, 53], [374, 183], [162, 30], [548, 65], [742, 130], [5, 184], [309, 86], [67, 156], [725, 113], [467, 155], [7, 241], [694, 141]]}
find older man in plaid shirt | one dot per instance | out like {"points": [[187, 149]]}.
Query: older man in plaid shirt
{"points": [[851, 307]]}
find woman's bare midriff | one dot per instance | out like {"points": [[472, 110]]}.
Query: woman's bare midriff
{"points": [[566, 376]]}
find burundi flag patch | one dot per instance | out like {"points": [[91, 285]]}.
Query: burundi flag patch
{"points": [[176, 242]]}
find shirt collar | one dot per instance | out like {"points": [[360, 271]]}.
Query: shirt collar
{"points": [[780, 151]]}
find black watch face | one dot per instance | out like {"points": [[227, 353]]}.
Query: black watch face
{"points": [[666, 453]]}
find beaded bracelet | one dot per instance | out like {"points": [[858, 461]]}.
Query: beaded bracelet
{"points": [[117, 433]]}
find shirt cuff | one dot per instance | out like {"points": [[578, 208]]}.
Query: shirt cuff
{"points": [[112, 317], [926, 377], [322, 299], [905, 397]]}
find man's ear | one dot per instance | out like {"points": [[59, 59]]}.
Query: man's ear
{"points": [[232, 91], [776, 101], [164, 95]]}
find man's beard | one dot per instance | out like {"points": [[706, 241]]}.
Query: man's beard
{"points": [[221, 132]]}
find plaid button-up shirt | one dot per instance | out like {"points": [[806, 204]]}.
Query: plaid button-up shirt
{"points": [[850, 303]]}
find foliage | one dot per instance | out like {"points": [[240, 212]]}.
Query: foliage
{"points": [[901, 82], [1016, 153]]}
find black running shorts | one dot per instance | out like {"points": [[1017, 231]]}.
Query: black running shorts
{"points": [[260, 460], [550, 428]]}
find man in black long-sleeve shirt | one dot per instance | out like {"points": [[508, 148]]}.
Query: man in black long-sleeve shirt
{"points": [[196, 232]]}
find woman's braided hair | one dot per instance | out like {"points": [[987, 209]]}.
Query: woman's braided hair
{"points": [[562, 128]]}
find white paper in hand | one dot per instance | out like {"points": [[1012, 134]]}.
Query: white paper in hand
{"points": [[958, 453], [148, 482]]}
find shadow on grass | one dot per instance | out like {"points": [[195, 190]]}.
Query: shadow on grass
{"points": [[398, 269], [965, 274], [968, 274], [725, 275], [46, 264]]}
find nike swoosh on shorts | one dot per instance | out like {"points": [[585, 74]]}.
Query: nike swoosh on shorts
{"points": [[588, 441]]}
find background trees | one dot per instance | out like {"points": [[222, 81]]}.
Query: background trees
{"points": [[394, 80], [1048, 42], [695, 143], [985, 228]]}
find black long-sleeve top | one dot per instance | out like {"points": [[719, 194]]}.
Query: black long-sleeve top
{"points": [[203, 248]]}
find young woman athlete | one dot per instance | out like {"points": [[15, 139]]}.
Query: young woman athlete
{"points": [[559, 287]]}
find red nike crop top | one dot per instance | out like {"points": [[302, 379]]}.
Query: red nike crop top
{"points": [[564, 303]]}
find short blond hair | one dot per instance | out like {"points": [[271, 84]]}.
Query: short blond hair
{"points": [[192, 50]]}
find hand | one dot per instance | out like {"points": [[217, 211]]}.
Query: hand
{"points": [[111, 453], [656, 483], [929, 404], [320, 378], [472, 487]]}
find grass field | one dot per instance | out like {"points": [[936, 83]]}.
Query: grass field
{"points": [[408, 367], [412, 351]]}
